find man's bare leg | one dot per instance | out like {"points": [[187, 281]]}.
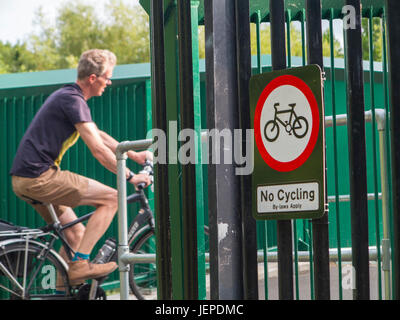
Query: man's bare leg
{"points": [[105, 200]]}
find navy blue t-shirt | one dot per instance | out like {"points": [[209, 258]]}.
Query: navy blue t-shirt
{"points": [[51, 132]]}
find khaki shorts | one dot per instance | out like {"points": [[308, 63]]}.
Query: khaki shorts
{"points": [[61, 188]]}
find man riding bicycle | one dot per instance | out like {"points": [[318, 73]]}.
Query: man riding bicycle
{"points": [[38, 179]]}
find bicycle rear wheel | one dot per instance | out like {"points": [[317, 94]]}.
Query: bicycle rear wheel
{"points": [[31, 273]]}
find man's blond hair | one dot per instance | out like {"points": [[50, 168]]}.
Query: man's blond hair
{"points": [[95, 61]]}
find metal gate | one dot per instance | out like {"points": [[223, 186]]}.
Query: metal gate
{"points": [[359, 166]]}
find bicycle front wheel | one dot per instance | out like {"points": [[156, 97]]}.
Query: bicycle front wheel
{"points": [[30, 272], [300, 127]]}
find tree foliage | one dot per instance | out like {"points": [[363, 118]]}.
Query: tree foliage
{"points": [[124, 29]]}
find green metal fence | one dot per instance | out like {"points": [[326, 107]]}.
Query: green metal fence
{"points": [[375, 76]]}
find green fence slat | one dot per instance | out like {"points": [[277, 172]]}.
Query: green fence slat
{"points": [[373, 139]]}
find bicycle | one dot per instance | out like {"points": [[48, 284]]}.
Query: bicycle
{"points": [[29, 264], [31, 268], [296, 124]]}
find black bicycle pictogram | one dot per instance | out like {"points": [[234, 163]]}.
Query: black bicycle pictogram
{"points": [[296, 124]]}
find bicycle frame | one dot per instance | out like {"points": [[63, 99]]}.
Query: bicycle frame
{"points": [[28, 237], [291, 111]]}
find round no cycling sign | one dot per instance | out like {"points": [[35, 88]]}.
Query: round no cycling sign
{"points": [[286, 123], [288, 180]]}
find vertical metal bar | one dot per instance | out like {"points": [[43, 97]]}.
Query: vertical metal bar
{"points": [[200, 195], [393, 36], [189, 210], [335, 148], [385, 208], [226, 261], [264, 233], [4, 187], [388, 233], [374, 160], [294, 223], [320, 226], [288, 38], [357, 156], [161, 170], [284, 227], [307, 223], [173, 123], [123, 247], [258, 41], [249, 227]]}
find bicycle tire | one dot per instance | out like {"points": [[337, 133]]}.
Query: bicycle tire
{"points": [[44, 283], [271, 133], [297, 124], [143, 276]]}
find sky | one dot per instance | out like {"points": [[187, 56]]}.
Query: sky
{"points": [[16, 16]]}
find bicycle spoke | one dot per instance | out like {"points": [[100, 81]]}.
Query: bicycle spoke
{"points": [[10, 277]]}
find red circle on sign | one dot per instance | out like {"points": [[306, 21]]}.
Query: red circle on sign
{"points": [[305, 89]]}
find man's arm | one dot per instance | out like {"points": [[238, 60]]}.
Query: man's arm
{"points": [[139, 157], [91, 136], [103, 153]]}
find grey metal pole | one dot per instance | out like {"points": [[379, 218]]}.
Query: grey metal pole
{"points": [[380, 118], [123, 247], [226, 264]]}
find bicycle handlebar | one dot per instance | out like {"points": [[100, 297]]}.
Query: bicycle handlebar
{"points": [[147, 169]]}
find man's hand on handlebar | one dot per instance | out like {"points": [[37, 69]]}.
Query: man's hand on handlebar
{"points": [[142, 179], [145, 177]]}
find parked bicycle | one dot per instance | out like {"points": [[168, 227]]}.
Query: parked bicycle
{"points": [[296, 124]]}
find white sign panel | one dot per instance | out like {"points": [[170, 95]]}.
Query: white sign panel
{"points": [[288, 197], [286, 120]]}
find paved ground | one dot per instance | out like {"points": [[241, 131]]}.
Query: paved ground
{"points": [[304, 283]]}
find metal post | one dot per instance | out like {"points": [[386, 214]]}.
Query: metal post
{"points": [[320, 226], [189, 210], [393, 31], [357, 156], [284, 227], [250, 273], [200, 194], [226, 262], [123, 247], [381, 120], [162, 212]]}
